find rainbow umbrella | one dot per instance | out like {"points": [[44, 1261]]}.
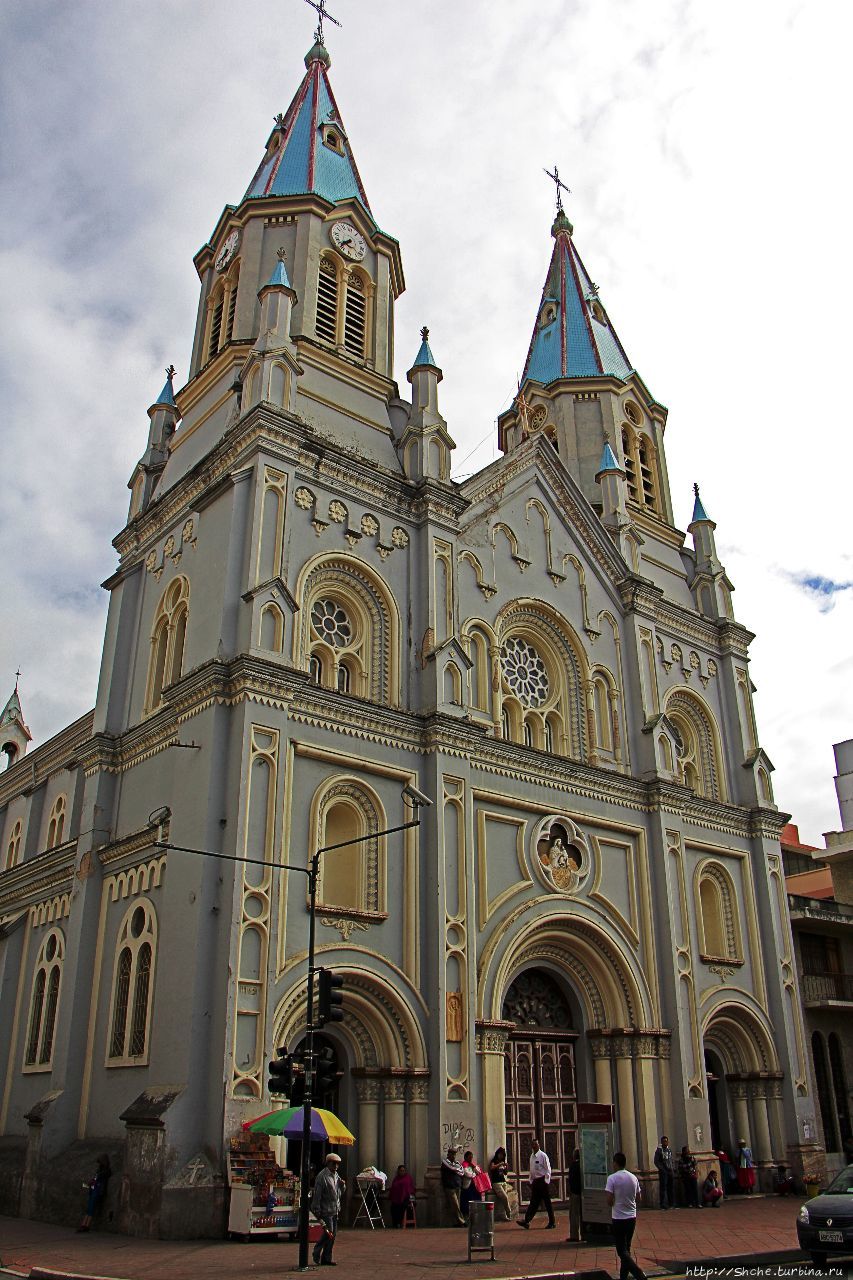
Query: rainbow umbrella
{"points": [[287, 1123]]}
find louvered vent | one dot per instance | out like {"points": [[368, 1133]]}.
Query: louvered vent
{"points": [[355, 317], [327, 302]]}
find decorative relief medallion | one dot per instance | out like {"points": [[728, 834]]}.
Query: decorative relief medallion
{"points": [[561, 854], [369, 525], [524, 672], [538, 416], [337, 512], [399, 537], [344, 925], [303, 498]]}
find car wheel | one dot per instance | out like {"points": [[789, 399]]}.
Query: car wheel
{"points": [[819, 1260]]}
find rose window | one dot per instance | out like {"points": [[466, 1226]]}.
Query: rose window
{"points": [[524, 672], [331, 623]]}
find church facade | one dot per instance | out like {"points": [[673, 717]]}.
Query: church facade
{"points": [[308, 615]]}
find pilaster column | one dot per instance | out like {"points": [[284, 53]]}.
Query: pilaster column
{"points": [[665, 1089], [491, 1038], [646, 1050], [740, 1108], [395, 1123], [774, 1111], [418, 1128], [367, 1092]]}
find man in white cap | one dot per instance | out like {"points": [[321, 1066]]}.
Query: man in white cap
{"points": [[326, 1205]]}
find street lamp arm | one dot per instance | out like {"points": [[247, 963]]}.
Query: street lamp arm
{"points": [[232, 857]]}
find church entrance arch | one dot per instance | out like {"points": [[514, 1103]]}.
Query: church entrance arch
{"points": [[540, 1081]]}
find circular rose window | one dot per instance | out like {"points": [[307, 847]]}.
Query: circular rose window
{"points": [[524, 672], [331, 623]]}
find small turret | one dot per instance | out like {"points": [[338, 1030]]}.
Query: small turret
{"points": [[271, 369], [711, 587], [425, 444], [614, 510], [164, 416], [14, 734]]}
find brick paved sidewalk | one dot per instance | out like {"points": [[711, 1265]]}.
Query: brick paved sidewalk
{"points": [[759, 1227]]}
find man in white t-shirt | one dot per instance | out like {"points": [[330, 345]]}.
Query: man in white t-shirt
{"points": [[540, 1188], [623, 1192]]}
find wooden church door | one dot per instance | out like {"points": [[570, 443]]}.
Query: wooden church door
{"points": [[540, 1088]]}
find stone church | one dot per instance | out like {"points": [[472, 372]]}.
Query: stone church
{"points": [[309, 615]]}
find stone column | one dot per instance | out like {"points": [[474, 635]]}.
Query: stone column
{"points": [[625, 1111], [774, 1110], [395, 1124], [646, 1050], [757, 1090], [665, 1090], [600, 1049], [491, 1037], [740, 1109], [418, 1128], [367, 1092]]}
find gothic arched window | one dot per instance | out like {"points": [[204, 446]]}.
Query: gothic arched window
{"points": [[352, 876], [56, 823], [13, 848], [44, 1002], [221, 310], [698, 762], [640, 460], [542, 683], [167, 641], [720, 937], [133, 986], [344, 306]]}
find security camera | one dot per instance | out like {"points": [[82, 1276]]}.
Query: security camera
{"points": [[416, 798]]}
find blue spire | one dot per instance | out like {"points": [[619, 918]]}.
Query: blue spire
{"points": [[167, 395], [279, 277], [573, 337], [424, 355], [699, 512], [309, 151], [608, 461]]}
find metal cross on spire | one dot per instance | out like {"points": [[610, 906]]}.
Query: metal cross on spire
{"points": [[323, 13], [559, 184]]}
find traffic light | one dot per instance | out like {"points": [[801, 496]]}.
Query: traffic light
{"points": [[281, 1073], [329, 997], [326, 1071]]}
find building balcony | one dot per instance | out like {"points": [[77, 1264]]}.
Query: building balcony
{"points": [[822, 990], [819, 910]]}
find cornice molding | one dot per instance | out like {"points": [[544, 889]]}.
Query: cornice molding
{"points": [[50, 872], [60, 752]]}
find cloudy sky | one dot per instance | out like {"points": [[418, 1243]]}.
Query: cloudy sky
{"points": [[704, 145]]}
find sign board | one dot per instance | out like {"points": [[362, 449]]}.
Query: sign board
{"points": [[595, 1139]]}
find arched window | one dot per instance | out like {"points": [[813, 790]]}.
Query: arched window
{"points": [[630, 464], [543, 683], [13, 848], [645, 459], [719, 926], [640, 459], [222, 308], [167, 641], [133, 986], [56, 823], [352, 876], [698, 764], [348, 619], [831, 1139], [603, 714], [44, 1003], [327, 301], [478, 651], [271, 628], [355, 316]]}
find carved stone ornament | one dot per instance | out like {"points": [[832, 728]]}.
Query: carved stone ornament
{"points": [[337, 512], [303, 498], [369, 525], [535, 1000], [561, 857], [399, 537], [344, 925], [453, 1003]]}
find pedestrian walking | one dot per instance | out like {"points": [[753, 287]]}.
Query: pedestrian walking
{"points": [[497, 1172], [97, 1189], [326, 1205], [745, 1167], [623, 1192], [471, 1173], [666, 1174], [402, 1197], [540, 1188], [689, 1178], [575, 1199], [451, 1183], [712, 1193]]}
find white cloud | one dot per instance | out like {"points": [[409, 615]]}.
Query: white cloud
{"points": [[709, 199]]}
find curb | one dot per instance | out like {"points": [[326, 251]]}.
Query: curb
{"points": [[48, 1273], [737, 1260]]}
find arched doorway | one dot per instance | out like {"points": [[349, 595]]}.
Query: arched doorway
{"points": [[327, 1096], [540, 1083], [718, 1108]]}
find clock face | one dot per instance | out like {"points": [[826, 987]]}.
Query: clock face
{"points": [[350, 242], [229, 248]]}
